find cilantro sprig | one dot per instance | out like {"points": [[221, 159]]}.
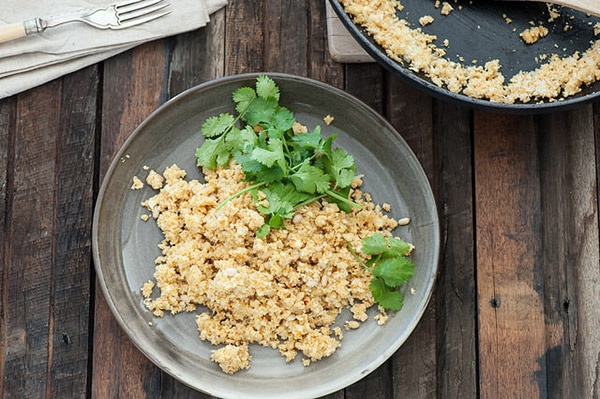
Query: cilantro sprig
{"points": [[390, 266], [287, 169]]}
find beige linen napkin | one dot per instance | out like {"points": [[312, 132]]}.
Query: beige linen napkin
{"points": [[36, 59]]}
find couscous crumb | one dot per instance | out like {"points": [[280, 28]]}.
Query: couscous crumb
{"points": [[534, 34], [426, 20], [155, 180], [232, 358], [446, 8], [137, 184]]}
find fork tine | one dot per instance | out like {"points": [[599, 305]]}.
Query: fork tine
{"points": [[139, 21], [129, 15], [135, 5]]}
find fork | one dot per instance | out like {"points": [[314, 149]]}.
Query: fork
{"points": [[116, 16]]}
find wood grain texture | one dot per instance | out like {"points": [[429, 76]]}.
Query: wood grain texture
{"points": [[510, 303], [245, 41], [70, 310], [7, 108], [571, 259], [455, 291], [29, 252], [133, 86], [286, 41], [197, 56]]}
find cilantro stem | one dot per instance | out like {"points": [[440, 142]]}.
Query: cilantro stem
{"points": [[345, 200], [308, 201], [353, 252], [249, 188]]}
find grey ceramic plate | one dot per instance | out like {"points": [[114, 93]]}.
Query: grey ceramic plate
{"points": [[125, 247]]}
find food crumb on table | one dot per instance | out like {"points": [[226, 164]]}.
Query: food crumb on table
{"points": [[328, 119]]}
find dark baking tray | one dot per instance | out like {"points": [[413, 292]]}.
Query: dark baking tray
{"points": [[479, 31]]}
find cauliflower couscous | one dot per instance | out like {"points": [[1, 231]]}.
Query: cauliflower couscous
{"points": [[284, 291]]}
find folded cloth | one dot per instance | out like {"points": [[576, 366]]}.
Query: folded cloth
{"points": [[36, 59]]}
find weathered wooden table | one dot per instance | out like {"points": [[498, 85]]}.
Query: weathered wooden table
{"points": [[516, 309]]}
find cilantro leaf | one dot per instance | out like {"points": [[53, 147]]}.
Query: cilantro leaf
{"points": [[283, 118], [374, 244], [243, 97], [343, 205], [390, 268], [310, 179], [279, 198], [212, 153], [386, 297], [340, 165], [267, 88], [269, 175], [266, 157], [394, 271], [397, 247], [217, 125], [263, 231], [240, 139], [276, 221], [306, 141], [387, 246]]}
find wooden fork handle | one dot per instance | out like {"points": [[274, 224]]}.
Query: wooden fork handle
{"points": [[20, 29]]}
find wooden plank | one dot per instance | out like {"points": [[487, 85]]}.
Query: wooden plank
{"points": [[366, 82], [133, 88], [455, 291], [245, 40], [413, 365], [7, 122], [571, 276], [511, 314], [75, 164], [285, 33], [198, 56], [28, 250]]}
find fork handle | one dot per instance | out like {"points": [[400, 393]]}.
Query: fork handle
{"points": [[21, 29]]}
